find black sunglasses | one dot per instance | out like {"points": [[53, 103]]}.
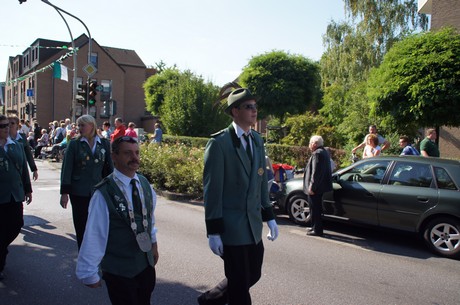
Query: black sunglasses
{"points": [[248, 106], [4, 125], [124, 139]]}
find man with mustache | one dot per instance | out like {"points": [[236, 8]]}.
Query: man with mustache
{"points": [[120, 234]]}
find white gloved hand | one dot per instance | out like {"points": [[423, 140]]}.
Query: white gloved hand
{"points": [[215, 243], [273, 234]]}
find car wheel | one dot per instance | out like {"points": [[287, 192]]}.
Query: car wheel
{"points": [[298, 209], [442, 236]]}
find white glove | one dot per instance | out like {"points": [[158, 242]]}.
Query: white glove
{"points": [[273, 234], [215, 243]]}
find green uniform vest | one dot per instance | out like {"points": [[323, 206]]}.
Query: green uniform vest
{"points": [[123, 256]]}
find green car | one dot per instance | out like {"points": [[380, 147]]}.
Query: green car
{"points": [[408, 193]]}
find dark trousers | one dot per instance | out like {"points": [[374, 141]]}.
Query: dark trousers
{"points": [[131, 291], [316, 209], [80, 206], [243, 268], [11, 222]]}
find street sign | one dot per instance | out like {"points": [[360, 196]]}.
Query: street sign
{"points": [[89, 69], [30, 92], [99, 88]]}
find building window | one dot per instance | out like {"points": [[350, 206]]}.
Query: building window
{"points": [[106, 92]]}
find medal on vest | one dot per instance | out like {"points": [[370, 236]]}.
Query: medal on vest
{"points": [[144, 242]]}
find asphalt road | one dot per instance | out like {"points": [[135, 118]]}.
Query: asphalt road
{"points": [[350, 265]]}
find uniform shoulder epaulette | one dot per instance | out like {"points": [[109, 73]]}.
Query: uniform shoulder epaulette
{"points": [[217, 133], [253, 130], [103, 181]]}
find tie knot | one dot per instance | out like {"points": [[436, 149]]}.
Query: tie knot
{"points": [[133, 182]]}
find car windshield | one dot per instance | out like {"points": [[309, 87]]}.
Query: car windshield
{"points": [[370, 171]]}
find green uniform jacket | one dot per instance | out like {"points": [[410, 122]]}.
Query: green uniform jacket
{"points": [[235, 193], [28, 152], [14, 174], [81, 170]]}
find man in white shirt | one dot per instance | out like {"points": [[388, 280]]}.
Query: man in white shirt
{"points": [[122, 204], [383, 143]]}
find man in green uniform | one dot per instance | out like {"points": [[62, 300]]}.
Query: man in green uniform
{"points": [[120, 234], [236, 201]]}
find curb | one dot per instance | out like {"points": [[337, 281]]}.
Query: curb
{"points": [[180, 197]]}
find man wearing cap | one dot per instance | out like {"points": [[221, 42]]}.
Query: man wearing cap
{"points": [[236, 202]]}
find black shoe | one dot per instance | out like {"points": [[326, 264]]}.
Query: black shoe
{"points": [[310, 230], [312, 233]]}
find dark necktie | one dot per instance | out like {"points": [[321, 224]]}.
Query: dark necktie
{"points": [[248, 147], [137, 205]]}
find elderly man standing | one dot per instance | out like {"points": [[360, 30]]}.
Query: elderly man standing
{"points": [[236, 201], [15, 188], [317, 181]]}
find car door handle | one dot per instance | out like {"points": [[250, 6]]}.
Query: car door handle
{"points": [[422, 199], [369, 195]]}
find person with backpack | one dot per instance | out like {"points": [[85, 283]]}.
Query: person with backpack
{"points": [[60, 133], [408, 150]]}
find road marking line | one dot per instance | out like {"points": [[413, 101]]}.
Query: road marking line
{"points": [[49, 188]]}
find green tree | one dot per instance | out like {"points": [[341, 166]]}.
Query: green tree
{"points": [[284, 83], [418, 81], [155, 87], [353, 48], [187, 108]]}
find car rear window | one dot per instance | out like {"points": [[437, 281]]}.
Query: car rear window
{"points": [[443, 179], [411, 174]]}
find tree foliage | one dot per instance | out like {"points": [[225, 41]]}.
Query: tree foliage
{"points": [[187, 108], [302, 127], [284, 83], [418, 81], [184, 102], [155, 87], [353, 48]]}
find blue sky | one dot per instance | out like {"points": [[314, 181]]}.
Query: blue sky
{"points": [[212, 38]]}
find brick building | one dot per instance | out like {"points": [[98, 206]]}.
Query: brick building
{"points": [[444, 13], [120, 75]]}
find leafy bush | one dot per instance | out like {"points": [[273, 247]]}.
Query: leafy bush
{"points": [[176, 168]]}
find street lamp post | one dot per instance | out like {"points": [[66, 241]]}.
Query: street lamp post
{"points": [[74, 85]]}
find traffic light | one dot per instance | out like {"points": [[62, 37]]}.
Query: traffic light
{"points": [[27, 108], [105, 108], [34, 108], [82, 93], [92, 93]]}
